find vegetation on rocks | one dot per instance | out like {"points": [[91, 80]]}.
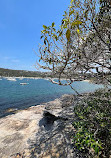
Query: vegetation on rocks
{"points": [[93, 124]]}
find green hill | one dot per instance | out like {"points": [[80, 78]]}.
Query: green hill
{"points": [[24, 73]]}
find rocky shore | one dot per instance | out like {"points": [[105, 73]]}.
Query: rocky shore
{"points": [[30, 134]]}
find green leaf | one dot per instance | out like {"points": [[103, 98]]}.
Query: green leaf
{"points": [[65, 20], [43, 31], [77, 15], [71, 12], [44, 41], [41, 37], [78, 31], [108, 41], [45, 27], [72, 1], [55, 37], [60, 33], [53, 24], [65, 12], [96, 149], [68, 33], [82, 38], [77, 22], [54, 29]]}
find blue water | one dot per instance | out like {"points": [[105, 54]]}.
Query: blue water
{"points": [[16, 96]]}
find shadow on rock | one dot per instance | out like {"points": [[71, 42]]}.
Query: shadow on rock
{"points": [[54, 137], [48, 120]]}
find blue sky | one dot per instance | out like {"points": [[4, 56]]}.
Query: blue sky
{"points": [[20, 29]]}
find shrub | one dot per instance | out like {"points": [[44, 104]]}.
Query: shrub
{"points": [[93, 124]]}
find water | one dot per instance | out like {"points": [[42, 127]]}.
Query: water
{"points": [[16, 96]]}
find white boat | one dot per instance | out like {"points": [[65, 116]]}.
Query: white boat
{"points": [[0, 79], [46, 79], [11, 79], [21, 78], [24, 83]]}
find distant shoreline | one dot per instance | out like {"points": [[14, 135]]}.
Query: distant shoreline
{"points": [[46, 78]]}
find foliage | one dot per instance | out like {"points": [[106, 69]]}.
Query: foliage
{"points": [[82, 44], [19, 73], [93, 124]]}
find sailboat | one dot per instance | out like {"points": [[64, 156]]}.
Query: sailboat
{"points": [[11, 78]]}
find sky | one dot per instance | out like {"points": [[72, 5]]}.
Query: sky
{"points": [[21, 23]]}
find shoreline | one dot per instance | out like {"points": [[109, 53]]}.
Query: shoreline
{"points": [[18, 130], [45, 78], [29, 134], [14, 110]]}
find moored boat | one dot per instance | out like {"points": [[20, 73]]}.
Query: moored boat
{"points": [[11, 79], [24, 83], [21, 78]]}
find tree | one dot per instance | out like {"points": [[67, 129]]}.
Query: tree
{"points": [[82, 44]]}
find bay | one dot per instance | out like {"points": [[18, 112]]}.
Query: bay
{"points": [[38, 91]]}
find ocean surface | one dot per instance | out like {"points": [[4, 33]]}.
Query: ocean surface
{"points": [[14, 96]]}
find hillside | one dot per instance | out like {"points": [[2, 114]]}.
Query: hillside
{"points": [[18, 73], [24, 73]]}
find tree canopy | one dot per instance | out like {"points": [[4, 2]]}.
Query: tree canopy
{"points": [[81, 45]]}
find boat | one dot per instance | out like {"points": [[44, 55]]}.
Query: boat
{"points": [[11, 79], [46, 79], [24, 83], [21, 78]]}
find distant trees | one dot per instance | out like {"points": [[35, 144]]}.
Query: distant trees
{"points": [[19, 73], [81, 45]]}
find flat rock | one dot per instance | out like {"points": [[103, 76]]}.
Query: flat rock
{"points": [[27, 134], [16, 129]]}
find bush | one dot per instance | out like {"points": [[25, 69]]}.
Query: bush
{"points": [[93, 124]]}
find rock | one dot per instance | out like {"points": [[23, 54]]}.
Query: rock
{"points": [[17, 129], [51, 118], [17, 155], [40, 131], [48, 120]]}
